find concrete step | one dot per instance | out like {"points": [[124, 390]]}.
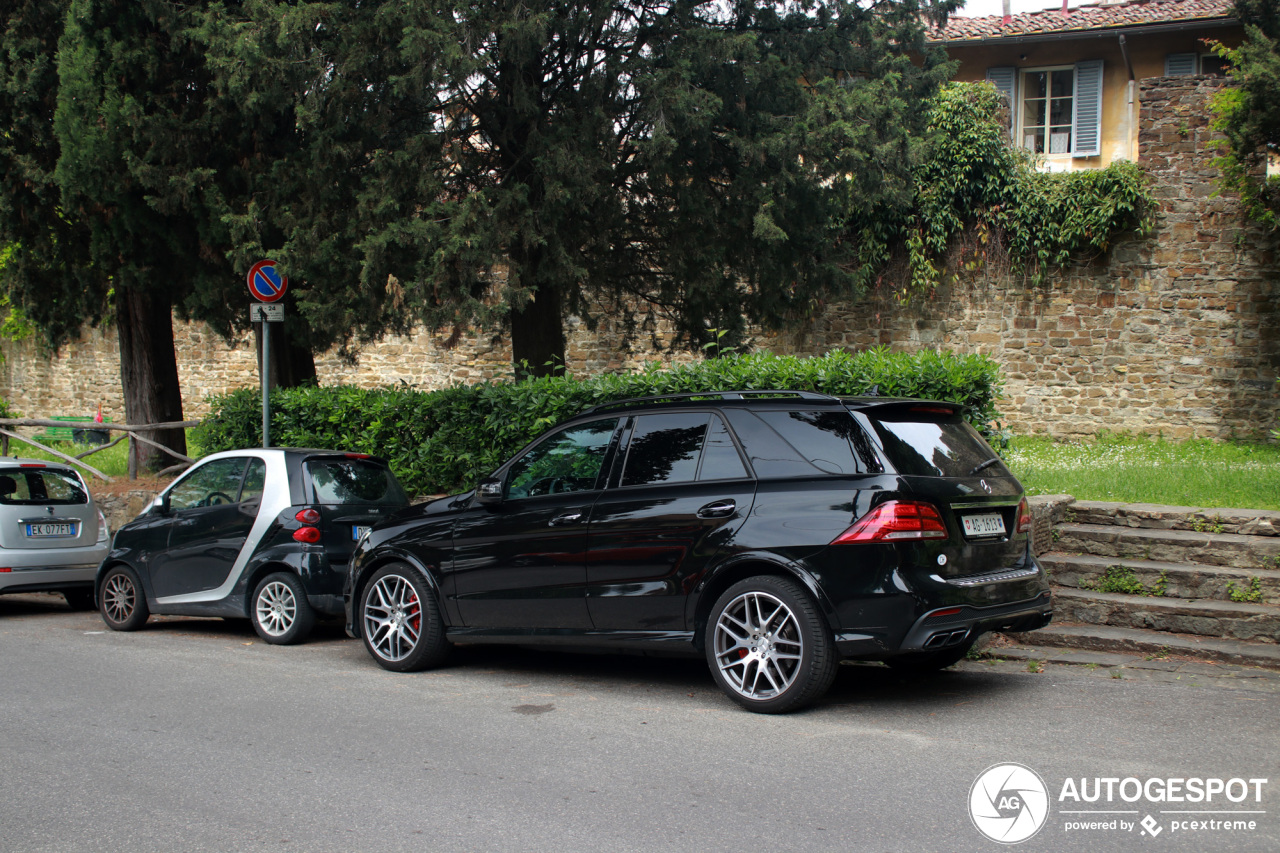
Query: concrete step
{"points": [[1225, 619], [1175, 580], [1171, 546], [1106, 638], [1250, 522]]}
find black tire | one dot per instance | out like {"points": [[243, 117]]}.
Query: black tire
{"points": [[80, 599], [123, 604], [921, 663], [400, 620], [769, 647], [279, 610]]}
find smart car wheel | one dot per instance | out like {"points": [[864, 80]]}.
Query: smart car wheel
{"points": [[400, 620], [123, 605], [280, 613], [768, 646]]}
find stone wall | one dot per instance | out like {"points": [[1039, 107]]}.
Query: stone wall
{"points": [[1176, 333]]}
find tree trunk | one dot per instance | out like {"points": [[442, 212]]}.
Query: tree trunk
{"points": [[292, 364], [537, 335], [149, 372]]}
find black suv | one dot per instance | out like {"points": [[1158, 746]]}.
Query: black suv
{"points": [[263, 534], [776, 533]]}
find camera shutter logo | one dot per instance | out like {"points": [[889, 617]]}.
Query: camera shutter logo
{"points": [[1009, 803]]}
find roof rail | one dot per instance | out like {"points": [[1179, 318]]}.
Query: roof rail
{"points": [[712, 395]]}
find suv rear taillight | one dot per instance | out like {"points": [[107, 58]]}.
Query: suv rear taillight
{"points": [[895, 521], [1024, 518]]}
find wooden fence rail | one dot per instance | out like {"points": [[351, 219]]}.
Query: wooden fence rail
{"points": [[130, 431]]}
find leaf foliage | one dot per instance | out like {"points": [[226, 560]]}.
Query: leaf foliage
{"points": [[443, 441]]}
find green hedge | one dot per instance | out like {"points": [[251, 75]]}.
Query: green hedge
{"points": [[443, 441]]}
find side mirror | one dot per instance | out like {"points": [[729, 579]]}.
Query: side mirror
{"points": [[161, 505], [489, 492]]}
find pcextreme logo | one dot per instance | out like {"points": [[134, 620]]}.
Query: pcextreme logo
{"points": [[1010, 803]]}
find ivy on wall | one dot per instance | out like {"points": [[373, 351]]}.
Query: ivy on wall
{"points": [[1035, 222]]}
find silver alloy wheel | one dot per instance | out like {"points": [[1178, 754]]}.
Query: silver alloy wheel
{"points": [[392, 618], [276, 608], [758, 645], [119, 597]]}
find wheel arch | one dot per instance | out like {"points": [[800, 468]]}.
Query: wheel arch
{"points": [[385, 558], [746, 566], [254, 576]]}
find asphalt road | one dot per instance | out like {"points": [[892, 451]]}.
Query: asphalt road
{"points": [[192, 735]]}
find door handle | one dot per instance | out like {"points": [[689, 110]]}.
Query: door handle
{"points": [[718, 509], [565, 519]]}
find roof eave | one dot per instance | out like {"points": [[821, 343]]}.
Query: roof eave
{"points": [[1102, 32]]}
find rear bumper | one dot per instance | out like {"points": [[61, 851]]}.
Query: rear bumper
{"points": [[934, 631], [46, 577]]}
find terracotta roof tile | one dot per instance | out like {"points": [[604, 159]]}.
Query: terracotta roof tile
{"points": [[1082, 18]]}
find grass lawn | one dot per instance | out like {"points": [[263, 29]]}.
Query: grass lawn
{"points": [[1138, 469]]}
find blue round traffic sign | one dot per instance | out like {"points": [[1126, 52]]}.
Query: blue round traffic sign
{"points": [[265, 283]]}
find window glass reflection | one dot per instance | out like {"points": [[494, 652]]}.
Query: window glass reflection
{"points": [[665, 448]]}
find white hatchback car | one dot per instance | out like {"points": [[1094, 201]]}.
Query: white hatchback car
{"points": [[52, 535]]}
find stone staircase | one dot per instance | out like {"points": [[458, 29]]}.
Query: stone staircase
{"points": [[1160, 580]]}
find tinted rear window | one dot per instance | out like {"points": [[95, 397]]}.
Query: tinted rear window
{"points": [[931, 445], [354, 481], [26, 486]]}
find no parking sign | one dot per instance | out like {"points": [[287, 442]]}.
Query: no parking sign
{"points": [[265, 283]]}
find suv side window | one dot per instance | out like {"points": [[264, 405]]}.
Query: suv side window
{"points": [[799, 443], [567, 461], [665, 448], [214, 483], [720, 457]]}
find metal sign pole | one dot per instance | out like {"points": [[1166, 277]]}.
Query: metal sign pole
{"points": [[266, 383], [268, 287]]}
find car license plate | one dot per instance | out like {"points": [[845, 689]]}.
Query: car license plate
{"points": [[358, 530], [51, 529], [987, 524]]}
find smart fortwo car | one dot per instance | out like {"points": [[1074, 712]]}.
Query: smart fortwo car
{"points": [[775, 533], [52, 535], [262, 534]]}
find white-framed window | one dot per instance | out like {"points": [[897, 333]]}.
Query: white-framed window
{"points": [[1046, 110], [1055, 111]]}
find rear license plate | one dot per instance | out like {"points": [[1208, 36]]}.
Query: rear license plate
{"points": [[51, 529], [358, 530], [987, 524]]}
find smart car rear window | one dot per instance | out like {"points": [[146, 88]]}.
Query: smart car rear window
{"points": [[931, 444], [354, 481], [45, 486]]}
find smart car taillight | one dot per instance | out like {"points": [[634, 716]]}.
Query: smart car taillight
{"points": [[309, 535], [895, 521], [308, 516], [1024, 518]]}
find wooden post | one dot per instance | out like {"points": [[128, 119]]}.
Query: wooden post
{"points": [[133, 458]]}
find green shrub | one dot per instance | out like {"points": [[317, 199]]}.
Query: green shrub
{"points": [[441, 441]]}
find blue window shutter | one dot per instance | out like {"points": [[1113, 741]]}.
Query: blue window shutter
{"points": [[1180, 64], [1002, 78], [1086, 120]]}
